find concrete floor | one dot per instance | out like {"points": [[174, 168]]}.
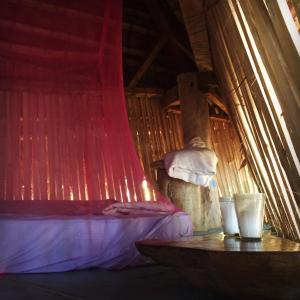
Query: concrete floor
{"points": [[143, 283]]}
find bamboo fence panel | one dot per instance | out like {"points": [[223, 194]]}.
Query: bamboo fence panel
{"points": [[152, 132], [45, 164], [167, 127], [247, 89], [231, 86]]}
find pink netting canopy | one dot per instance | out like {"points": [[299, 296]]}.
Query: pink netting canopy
{"points": [[64, 132]]}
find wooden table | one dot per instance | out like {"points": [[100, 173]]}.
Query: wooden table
{"points": [[266, 269]]}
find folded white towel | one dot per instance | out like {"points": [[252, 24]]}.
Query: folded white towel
{"points": [[196, 165]]}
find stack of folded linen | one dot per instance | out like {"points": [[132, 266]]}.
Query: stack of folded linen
{"points": [[194, 165]]}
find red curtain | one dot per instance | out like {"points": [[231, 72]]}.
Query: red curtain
{"points": [[64, 132]]}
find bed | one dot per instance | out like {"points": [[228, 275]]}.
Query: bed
{"points": [[40, 236]]}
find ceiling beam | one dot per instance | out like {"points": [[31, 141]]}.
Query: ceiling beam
{"points": [[171, 98], [175, 109], [147, 62], [216, 100]]}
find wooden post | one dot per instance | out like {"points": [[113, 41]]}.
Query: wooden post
{"points": [[194, 108], [202, 203]]}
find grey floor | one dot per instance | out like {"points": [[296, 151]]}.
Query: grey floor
{"points": [[143, 283]]}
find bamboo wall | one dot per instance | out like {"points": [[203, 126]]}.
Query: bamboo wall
{"points": [[233, 172], [156, 132], [258, 71]]}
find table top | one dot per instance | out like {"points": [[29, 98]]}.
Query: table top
{"points": [[221, 243]]}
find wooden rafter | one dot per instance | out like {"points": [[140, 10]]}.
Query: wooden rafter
{"points": [[148, 61], [216, 100], [171, 98]]}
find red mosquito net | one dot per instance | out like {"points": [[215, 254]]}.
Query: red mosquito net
{"points": [[64, 129]]}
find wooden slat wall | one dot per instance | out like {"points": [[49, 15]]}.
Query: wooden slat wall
{"points": [[52, 147], [233, 175], [36, 143], [156, 132], [37, 159], [245, 69]]}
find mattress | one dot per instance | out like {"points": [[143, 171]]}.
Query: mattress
{"points": [[36, 244]]}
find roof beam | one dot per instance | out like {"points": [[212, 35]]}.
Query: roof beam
{"points": [[216, 100], [148, 61], [171, 98]]}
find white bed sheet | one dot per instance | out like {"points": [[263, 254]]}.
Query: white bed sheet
{"points": [[34, 244]]}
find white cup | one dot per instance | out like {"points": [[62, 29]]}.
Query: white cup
{"points": [[250, 210], [229, 218]]}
